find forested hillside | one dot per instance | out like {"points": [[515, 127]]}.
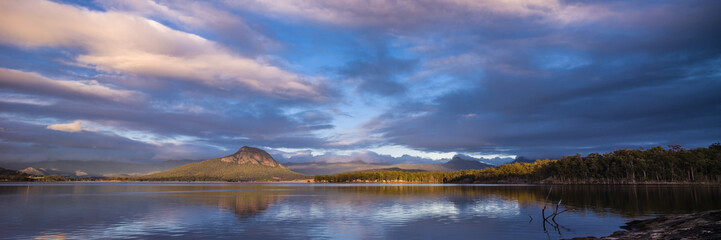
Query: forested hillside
{"points": [[674, 164]]}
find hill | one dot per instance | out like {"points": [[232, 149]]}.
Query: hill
{"points": [[94, 168], [7, 175], [247, 164], [458, 163], [316, 168], [9, 172]]}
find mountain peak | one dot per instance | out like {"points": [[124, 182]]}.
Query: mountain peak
{"points": [[248, 149], [459, 163], [457, 158], [33, 171], [251, 155]]}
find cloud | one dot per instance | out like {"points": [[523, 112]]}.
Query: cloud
{"points": [[199, 16], [654, 103], [21, 141], [406, 13], [645, 78], [67, 127], [222, 125], [378, 73], [125, 43], [35, 83]]}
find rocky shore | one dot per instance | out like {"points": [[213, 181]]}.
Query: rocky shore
{"points": [[702, 225]]}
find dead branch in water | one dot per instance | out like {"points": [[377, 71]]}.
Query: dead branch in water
{"points": [[553, 215]]}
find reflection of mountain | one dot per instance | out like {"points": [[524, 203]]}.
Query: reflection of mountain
{"points": [[244, 201], [247, 206]]}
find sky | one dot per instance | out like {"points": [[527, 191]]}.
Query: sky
{"points": [[403, 81]]}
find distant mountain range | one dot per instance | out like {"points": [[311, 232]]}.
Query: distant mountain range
{"points": [[247, 164], [9, 172], [458, 163], [322, 168], [93, 168]]}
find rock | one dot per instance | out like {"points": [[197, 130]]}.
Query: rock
{"points": [[702, 225]]}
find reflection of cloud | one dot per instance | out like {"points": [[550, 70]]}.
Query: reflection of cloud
{"points": [[406, 212], [314, 211], [495, 208], [162, 220], [398, 212]]}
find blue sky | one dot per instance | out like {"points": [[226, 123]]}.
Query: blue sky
{"points": [[394, 81]]}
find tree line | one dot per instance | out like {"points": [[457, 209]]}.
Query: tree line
{"points": [[654, 165]]}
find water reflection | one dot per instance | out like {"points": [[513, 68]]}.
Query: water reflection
{"points": [[335, 211], [243, 204], [628, 200], [496, 208]]}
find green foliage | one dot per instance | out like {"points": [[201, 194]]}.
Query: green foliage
{"points": [[657, 164], [216, 170]]}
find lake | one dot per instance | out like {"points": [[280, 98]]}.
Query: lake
{"points": [[333, 211]]}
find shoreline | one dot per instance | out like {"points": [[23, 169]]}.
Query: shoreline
{"points": [[699, 225], [379, 183], [119, 181]]}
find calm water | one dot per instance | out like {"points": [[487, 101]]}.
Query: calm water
{"points": [[331, 211]]}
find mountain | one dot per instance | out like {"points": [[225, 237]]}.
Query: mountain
{"points": [[324, 168], [458, 163], [496, 161], [247, 164], [250, 155], [428, 167], [8, 172], [34, 171], [94, 168], [7, 175]]}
